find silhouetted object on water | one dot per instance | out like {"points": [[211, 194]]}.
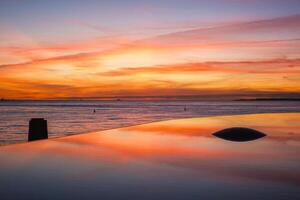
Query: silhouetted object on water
{"points": [[37, 129], [239, 134], [184, 108], [94, 111]]}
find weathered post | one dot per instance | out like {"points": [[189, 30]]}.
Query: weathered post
{"points": [[38, 129]]}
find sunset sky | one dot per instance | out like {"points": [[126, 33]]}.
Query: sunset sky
{"points": [[220, 49]]}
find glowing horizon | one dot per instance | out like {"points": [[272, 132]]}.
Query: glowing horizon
{"points": [[93, 50]]}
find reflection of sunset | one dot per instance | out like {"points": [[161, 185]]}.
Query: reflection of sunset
{"points": [[183, 144]]}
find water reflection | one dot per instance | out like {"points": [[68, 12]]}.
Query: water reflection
{"points": [[165, 160]]}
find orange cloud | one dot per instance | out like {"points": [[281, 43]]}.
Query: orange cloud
{"points": [[282, 66], [202, 61]]}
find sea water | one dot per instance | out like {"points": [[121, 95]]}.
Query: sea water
{"points": [[74, 117]]}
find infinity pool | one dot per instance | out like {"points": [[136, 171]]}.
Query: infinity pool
{"points": [[176, 159]]}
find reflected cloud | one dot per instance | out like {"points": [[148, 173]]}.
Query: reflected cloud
{"points": [[185, 144]]}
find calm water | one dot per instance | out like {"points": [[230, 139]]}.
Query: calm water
{"points": [[73, 117], [175, 159]]}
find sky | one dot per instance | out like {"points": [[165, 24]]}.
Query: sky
{"points": [[219, 49]]}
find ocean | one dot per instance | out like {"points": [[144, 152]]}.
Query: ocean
{"points": [[75, 117]]}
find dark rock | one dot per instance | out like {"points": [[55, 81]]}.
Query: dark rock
{"points": [[239, 134]]}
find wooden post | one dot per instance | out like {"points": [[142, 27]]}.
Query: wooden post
{"points": [[38, 129]]}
